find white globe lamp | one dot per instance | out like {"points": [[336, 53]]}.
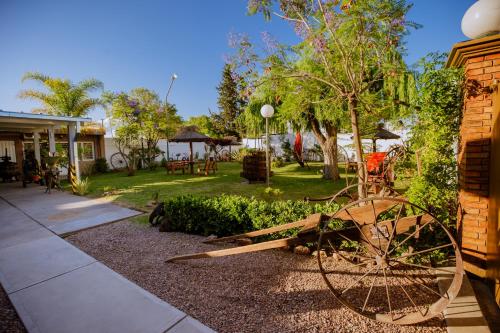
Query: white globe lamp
{"points": [[482, 19], [267, 111]]}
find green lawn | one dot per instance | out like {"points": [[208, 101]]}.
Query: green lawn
{"points": [[294, 182]]}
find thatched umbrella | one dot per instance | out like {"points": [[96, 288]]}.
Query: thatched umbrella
{"points": [[190, 134], [382, 134], [226, 141]]}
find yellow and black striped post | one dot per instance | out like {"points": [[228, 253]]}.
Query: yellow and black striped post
{"points": [[72, 177]]}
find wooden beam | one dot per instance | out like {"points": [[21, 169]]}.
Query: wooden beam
{"points": [[275, 244], [365, 214], [310, 221]]}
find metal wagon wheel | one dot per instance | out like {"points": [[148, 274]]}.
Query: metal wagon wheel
{"points": [[350, 193], [157, 215], [391, 254], [117, 161], [369, 188]]}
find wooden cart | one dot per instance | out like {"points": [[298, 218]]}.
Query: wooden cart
{"points": [[381, 256]]}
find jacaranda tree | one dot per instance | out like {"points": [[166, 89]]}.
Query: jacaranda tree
{"points": [[356, 47]]}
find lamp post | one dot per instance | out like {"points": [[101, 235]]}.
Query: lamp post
{"points": [[267, 112], [172, 79]]}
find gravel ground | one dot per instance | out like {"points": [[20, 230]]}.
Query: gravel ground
{"points": [[9, 320], [271, 291]]}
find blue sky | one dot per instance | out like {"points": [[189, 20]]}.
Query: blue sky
{"points": [[140, 43]]}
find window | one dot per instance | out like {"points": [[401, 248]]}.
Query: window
{"points": [[86, 151], [8, 148]]}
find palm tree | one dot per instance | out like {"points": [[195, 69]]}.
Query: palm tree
{"points": [[63, 98]]}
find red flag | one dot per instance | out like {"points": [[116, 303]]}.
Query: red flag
{"points": [[297, 147]]}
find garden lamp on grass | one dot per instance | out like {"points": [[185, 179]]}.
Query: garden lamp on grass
{"points": [[267, 112], [173, 78]]}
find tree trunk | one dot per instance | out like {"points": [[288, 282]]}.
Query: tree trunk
{"points": [[353, 103], [328, 144], [331, 168]]}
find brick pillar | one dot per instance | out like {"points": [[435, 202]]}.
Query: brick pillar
{"points": [[480, 59]]}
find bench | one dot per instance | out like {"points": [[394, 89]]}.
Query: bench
{"points": [[173, 166]]}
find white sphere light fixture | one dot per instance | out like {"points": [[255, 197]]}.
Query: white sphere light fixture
{"points": [[267, 111], [482, 19]]}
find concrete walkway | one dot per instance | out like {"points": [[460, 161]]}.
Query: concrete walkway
{"points": [[54, 286]]}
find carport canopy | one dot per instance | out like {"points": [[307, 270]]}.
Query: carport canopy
{"points": [[20, 122]]}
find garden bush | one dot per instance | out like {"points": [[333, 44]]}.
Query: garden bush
{"points": [[231, 214], [278, 162], [435, 136], [101, 165]]}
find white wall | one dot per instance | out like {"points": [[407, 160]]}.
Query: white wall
{"points": [[309, 140], [174, 148]]}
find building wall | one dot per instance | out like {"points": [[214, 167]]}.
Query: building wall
{"points": [[493, 236], [479, 158]]}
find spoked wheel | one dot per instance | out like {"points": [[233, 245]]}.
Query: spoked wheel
{"points": [[350, 193], [117, 161], [157, 215], [391, 254]]}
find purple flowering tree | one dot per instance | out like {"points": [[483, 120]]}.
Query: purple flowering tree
{"points": [[140, 121], [349, 54]]}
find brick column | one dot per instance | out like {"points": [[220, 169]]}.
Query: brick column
{"points": [[480, 59]]}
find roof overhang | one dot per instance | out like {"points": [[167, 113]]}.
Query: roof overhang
{"points": [[463, 51], [29, 122]]}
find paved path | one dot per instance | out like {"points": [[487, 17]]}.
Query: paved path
{"points": [[61, 212], [55, 287]]}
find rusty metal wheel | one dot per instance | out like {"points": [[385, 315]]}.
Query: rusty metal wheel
{"points": [[350, 193], [388, 255]]}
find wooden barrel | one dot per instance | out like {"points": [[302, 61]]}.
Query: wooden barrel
{"points": [[254, 167]]}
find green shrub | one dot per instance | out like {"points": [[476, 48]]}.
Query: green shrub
{"points": [[231, 214], [435, 135], [286, 146], [101, 165], [82, 186], [163, 162], [273, 191], [278, 162], [241, 153]]}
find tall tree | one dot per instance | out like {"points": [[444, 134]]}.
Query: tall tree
{"points": [[358, 46], [63, 97], [140, 119], [225, 122], [203, 123]]}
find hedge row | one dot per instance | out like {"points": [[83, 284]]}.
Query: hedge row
{"points": [[231, 214]]}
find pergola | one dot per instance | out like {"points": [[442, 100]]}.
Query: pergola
{"points": [[12, 123], [189, 134]]}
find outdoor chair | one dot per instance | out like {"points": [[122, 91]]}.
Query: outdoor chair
{"points": [[209, 165]]}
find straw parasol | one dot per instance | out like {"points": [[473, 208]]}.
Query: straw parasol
{"points": [[382, 134], [226, 141], [190, 134]]}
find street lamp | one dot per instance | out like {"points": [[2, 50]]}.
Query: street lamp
{"points": [[172, 79], [267, 112]]}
